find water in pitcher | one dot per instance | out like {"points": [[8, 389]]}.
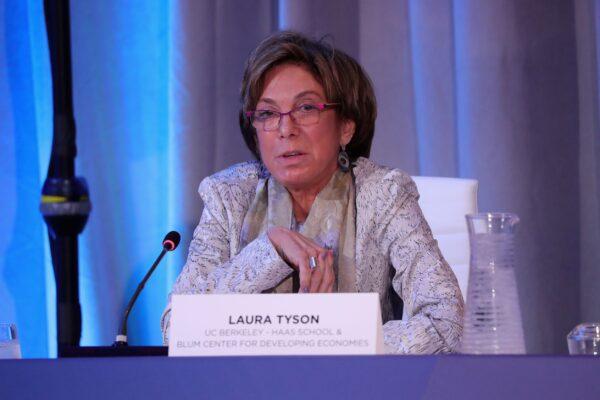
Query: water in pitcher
{"points": [[492, 323]]}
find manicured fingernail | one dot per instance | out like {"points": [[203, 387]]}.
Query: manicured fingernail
{"points": [[304, 290]]}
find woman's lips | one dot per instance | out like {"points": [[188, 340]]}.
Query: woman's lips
{"points": [[291, 157]]}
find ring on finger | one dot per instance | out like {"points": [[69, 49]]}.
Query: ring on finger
{"points": [[312, 262]]}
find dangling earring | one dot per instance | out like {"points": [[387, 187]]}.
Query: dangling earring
{"points": [[344, 160]]}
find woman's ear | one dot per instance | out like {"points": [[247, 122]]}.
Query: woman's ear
{"points": [[348, 128]]}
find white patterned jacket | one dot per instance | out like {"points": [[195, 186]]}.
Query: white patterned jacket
{"points": [[391, 235]]}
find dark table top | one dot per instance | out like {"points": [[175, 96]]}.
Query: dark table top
{"points": [[307, 378]]}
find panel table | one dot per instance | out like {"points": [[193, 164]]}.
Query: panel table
{"points": [[344, 377]]}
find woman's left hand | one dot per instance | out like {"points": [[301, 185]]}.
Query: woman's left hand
{"points": [[296, 249], [322, 277]]}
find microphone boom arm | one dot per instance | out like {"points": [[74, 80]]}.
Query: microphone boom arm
{"points": [[170, 243], [122, 335]]}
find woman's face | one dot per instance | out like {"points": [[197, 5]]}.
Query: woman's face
{"points": [[300, 157]]}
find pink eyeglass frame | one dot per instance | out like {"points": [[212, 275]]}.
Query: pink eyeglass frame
{"points": [[320, 106]]}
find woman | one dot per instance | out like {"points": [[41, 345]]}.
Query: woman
{"points": [[313, 206]]}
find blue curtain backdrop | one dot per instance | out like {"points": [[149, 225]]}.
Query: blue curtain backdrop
{"points": [[26, 280], [504, 91]]}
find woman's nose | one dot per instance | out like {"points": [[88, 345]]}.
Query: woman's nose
{"points": [[287, 126]]}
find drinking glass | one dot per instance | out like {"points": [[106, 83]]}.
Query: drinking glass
{"points": [[585, 339], [9, 342]]}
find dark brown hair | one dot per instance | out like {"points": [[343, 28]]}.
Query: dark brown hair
{"points": [[343, 80]]}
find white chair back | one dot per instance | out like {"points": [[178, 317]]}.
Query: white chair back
{"points": [[445, 202]]}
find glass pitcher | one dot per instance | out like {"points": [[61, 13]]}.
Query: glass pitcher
{"points": [[492, 323]]}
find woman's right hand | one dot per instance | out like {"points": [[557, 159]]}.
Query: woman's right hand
{"points": [[296, 249]]}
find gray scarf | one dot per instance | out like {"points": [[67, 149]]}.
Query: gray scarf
{"points": [[331, 223]]}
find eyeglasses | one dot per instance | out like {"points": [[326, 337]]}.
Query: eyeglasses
{"points": [[304, 114]]}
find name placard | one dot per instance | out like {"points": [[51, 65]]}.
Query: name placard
{"points": [[275, 324]]}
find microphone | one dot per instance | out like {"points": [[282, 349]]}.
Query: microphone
{"points": [[170, 243]]}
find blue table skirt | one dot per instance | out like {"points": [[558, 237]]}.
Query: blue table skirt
{"points": [[307, 378]]}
